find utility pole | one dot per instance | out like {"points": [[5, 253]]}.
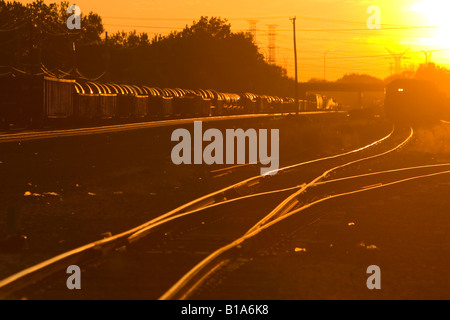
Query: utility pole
{"points": [[108, 56], [30, 48], [18, 48], [295, 58], [39, 46], [324, 65], [74, 55]]}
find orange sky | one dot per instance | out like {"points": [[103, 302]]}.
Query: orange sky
{"points": [[322, 26]]}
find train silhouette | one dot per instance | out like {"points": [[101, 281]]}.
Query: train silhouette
{"points": [[35, 101], [415, 102]]}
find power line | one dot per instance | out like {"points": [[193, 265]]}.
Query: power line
{"points": [[307, 18], [135, 26], [191, 19], [349, 30]]}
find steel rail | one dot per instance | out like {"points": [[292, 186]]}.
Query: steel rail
{"points": [[37, 135], [176, 291], [101, 248]]}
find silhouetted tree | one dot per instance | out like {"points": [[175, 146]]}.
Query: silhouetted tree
{"points": [[359, 78], [206, 54], [436, 73], [37, 33]]}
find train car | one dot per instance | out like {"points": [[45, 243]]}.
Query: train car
{"points": [[413, 101], [11, 106], [131, 102], [275, 104], [58, 98], [183, 104], [30, 101], [263, 104], [86, 102], [94, 101], [108, 102], [140, 101], [313, 102], [289, 105], [43, 100], [249, 102], [231, 104], [194, 104], [217, 103], [206, 98], [329, 104], [160, 103], [36, 100], [124, 101]]}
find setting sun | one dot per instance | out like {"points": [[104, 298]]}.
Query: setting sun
{"points": [[435, 14]]}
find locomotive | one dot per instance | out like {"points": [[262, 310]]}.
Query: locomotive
{"points": [[35, 101], [415, 102]]}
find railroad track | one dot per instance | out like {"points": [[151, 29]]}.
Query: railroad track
{"points": [[296, 204], [191, 241], [37, 135]]}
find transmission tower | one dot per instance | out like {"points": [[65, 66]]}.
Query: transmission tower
{"points": [[271, 48], [252, 29], [398, 57], [427, 56]]}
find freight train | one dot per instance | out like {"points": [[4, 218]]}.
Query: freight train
{"points": [[35, 101]]}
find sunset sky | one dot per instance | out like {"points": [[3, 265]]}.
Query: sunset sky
{"points": [[335, 27]]}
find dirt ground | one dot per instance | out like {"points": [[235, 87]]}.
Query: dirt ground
{"points": [[63, 193]]}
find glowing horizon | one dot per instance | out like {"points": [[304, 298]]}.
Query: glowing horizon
{"points": [[332, 29]]}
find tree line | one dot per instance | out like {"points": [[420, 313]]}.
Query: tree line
{"points": [[34, 38]]}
